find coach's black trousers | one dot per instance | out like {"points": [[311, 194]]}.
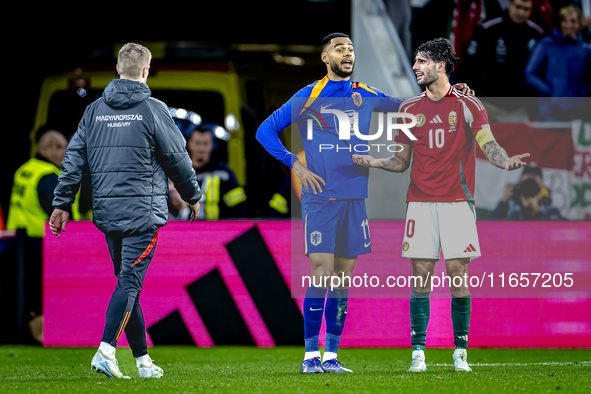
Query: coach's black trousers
{"points": [[131, 257]]}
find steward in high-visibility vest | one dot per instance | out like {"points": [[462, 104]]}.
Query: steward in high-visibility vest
{"points": [[222, 196], [33, 187], [27, 203]]}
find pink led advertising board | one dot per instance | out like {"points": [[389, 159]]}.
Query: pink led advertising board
{"points": [[242, 283]]}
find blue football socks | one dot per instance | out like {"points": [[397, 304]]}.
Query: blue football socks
{"points": [[336, 313], [313, 311]]}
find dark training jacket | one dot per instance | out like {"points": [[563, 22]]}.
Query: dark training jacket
{"points": [[129, 144], [494, 62]]}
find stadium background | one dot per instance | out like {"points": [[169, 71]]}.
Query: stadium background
{"points": [[62, 43]]}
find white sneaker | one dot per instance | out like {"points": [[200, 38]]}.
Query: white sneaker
{"points": [[418, 362], [107, 364], [461, 361], [147, 368]]}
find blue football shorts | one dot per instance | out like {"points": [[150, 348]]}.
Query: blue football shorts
{"points": [[338, 227]]}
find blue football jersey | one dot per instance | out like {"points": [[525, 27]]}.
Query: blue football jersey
{"points": [[318, 111]]}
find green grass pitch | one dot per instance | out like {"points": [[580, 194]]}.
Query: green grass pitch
{"points": [[270, 370]]}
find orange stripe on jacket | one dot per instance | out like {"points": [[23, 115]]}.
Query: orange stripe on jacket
{"points": [[357, 85], [315, 92], [148, 249]]}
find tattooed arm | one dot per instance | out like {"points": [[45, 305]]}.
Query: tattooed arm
{"points": [[396, 163], [498, 157]]}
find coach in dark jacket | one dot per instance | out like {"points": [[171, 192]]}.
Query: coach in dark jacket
{"points": [[128, 143]]}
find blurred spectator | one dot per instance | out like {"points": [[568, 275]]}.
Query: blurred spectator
{"points": [[467, 15], [30, 207], [494, 62], [529, 199], [543, 15], [222, 197], [34, 183], [560, 66], [584, 5]]}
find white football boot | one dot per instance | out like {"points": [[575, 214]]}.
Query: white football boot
{"points": [[147, 368], [418, 362], [105, 362], [461, 361]]}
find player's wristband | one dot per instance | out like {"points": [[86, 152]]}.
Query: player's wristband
{"points": [[484, 136]]}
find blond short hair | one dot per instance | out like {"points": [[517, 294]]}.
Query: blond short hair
{"points": [[564, 11], [132, 59]]}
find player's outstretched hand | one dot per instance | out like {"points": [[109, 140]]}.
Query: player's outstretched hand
{"points": [[365, 161], [194, 211], [515, 162], [57, 221], [308, 178], [465, 89]]}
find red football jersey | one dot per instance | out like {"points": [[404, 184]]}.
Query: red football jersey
{"points": [[444, 164]]}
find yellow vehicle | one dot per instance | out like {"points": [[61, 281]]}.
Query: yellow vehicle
{"points": [[210, 89]]}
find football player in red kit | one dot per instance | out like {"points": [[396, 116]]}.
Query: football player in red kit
{"points": [[440, 213]]}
